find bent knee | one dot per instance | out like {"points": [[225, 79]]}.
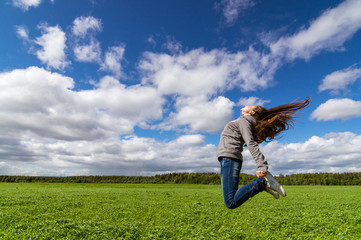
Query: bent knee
{"points": [[231, 206]]}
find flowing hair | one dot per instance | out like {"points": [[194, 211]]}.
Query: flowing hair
{"points": [[271, 122]]}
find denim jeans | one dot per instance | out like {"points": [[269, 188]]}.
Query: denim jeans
{"points": [[233, 196]]}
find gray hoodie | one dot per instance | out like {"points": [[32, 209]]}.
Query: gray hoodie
{"points": [[235, 134]]}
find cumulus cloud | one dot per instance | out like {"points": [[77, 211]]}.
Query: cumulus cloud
{"points": [[328, 32], [82, 26], [333, 109], [339, 80], [190, 140], [49, 129], [200, 114], [53, 47], [127, 156], [145, 156], [199, 72], [171, 45], [44, 104], [37, 101], [112, 60], [204, 74], [252, 101], [88, 53], [151, 41], [87, 47], [195, 78], [232, 8], [22, 32], [135, 103], [318, 154], [26, 4]]}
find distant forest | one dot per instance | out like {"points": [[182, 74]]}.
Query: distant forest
{"points": [[196, 178]]}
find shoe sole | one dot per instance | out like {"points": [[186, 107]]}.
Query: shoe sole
{"points": [[273, 193], [278, 188]]}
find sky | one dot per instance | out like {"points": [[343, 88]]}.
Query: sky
{"points": [[139, 87]]}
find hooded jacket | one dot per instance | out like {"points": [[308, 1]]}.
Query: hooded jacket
{"points": [[235, 134]]}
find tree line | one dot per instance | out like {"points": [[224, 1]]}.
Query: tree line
{"points": [[195, 178]]}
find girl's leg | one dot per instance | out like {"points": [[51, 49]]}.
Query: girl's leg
{"points": [[233, 196]]}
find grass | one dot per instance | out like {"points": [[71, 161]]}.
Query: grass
{"points": [[124, 211]]}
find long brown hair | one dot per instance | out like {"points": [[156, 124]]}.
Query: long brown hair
{"points": [[271, 122]]}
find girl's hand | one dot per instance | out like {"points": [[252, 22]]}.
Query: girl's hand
{"points": [[260, 174]]}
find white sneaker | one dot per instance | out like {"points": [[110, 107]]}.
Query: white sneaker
{"points": [[273, 193], [274, 185]]}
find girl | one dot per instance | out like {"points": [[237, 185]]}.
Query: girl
{"points": [[255, 125]]}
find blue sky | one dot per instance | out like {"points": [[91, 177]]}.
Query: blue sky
{"points": [[95, 87]]}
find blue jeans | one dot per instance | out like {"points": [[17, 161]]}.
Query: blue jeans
{"points": [[233, 196]]}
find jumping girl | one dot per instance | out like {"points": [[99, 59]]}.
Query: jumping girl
{"points": [[254, 126]]}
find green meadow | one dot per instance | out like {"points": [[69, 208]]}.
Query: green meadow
{"points": [[174, 211]]}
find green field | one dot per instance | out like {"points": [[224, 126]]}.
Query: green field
{"points": [[124, 211]]}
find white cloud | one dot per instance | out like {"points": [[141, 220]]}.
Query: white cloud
{"points": [[328, 32], [53, 46], [44, 104], [135, 103], [111, 156], [190, 140], [85, 25], [339, 80], [334, 109], [232, 8], [172, 45], [49, 129], [88, 53], [22, 32], [200, 114], [145, 156], [204, 73], [26, 4], [318, 154], [251, 101], [86, 47], [41, 102], [112, 60], [152, 41], [194, 78]]}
